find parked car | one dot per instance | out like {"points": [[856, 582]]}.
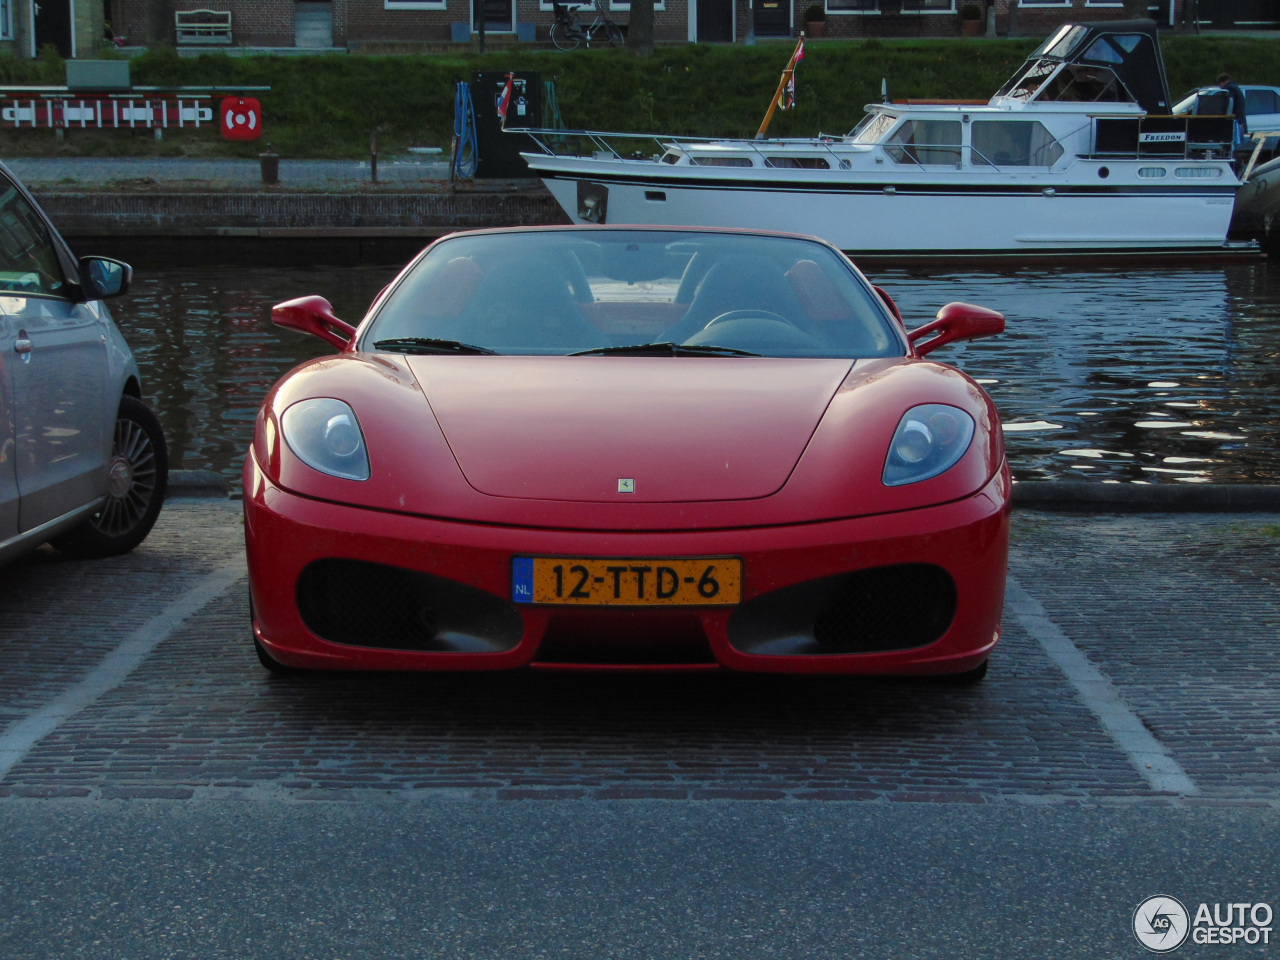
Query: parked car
{"points": [[628, 447], [83, 463], [1262, 106]]}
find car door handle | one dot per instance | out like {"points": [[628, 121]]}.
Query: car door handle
{"points": [[22, 345]]}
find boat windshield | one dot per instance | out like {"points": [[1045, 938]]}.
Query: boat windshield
{"points": [[1049, 81], [603, 291], [1029, 79], [872, 128], [1062, 43], [1077, 82]]}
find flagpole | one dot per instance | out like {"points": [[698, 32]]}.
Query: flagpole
{"points": [[782, 85]]}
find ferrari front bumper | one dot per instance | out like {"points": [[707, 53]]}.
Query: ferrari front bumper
{"points": [[816, 598]]}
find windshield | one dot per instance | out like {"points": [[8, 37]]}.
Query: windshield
{"points": [[1062, 42], [603, 291], [1024, 84]]}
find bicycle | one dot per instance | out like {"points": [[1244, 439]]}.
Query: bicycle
{"points": [[568, 32]]}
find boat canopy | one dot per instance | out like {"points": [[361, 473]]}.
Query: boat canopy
{"points": [[1112, 61]]}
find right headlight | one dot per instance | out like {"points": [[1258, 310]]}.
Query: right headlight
{"points": [[930, 439], [325, 435]]}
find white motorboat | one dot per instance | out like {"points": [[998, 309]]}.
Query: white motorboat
{"points": [[1076, 154]]}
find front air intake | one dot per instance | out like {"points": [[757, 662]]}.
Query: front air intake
{"points": [[886, 608], [363, 604], [866, 611]]}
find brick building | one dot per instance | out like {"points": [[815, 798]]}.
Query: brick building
{"points": [[75, 27]]}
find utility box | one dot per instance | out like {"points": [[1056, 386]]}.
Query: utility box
{"points": [[98, 75], [498, 153], [460, 32]]}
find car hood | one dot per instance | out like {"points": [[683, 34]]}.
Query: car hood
{"points": [[770, 421], [627, 429]]}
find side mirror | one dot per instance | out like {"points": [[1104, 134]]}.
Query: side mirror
{"points": [[102, 277], [313, 315], [957, 321]]}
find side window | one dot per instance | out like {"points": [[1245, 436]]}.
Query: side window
{"points": [[1014, 143], [1260, 101], [28, 261], [926, 141]]}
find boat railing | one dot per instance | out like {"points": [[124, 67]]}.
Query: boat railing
{"points": [[650, 148], [1174, 137], [586, 143]]}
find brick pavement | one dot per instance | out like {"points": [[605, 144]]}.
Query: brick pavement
{"points": [[1180, 612], [61, 616]]}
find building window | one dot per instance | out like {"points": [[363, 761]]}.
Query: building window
{"points": [[853, 6], [413, 4], [928, 6], [1046, 3], [588, 10]]}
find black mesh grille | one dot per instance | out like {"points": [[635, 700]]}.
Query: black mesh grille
{"points": [[886, 608], [865, 611], [376, 605]]}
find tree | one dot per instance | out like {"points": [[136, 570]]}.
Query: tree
{"points": [[640, 30]]}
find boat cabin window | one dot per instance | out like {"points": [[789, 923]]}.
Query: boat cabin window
{"points": [[872, 128], [1013, 143], [926, 142], [671, 157], [1084, 84], [798, 163], [721, 161], [1113, 47]]}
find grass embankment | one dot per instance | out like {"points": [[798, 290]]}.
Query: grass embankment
{"points": [[328, 106]]}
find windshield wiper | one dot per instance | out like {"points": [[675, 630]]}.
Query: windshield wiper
{"points": [[666, 349], [429, 345]]}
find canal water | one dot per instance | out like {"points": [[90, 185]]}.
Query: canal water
{"points": [[1131, 375]]}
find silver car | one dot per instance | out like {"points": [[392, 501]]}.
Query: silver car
{"points": [[83, 464], [1261, 105]]}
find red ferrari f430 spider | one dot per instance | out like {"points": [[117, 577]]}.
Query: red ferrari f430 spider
{"points": [[607, 447]]}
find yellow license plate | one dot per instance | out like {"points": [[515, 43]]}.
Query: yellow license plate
{"points": [[580, 581]]}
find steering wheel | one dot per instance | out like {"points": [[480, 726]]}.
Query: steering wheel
{"points": [[750, 314]]}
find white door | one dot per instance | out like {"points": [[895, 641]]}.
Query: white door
{"points": [[56, 371]]}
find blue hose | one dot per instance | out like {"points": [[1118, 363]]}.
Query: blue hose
{"points": [[464, 128]]}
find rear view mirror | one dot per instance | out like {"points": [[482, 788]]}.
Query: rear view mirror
{"points": [[102, 277], [313, 315], [957, 321]]}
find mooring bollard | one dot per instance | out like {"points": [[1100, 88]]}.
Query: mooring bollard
{"points": [[270, 162]]}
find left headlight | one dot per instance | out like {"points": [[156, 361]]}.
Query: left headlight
{"points": [[930, 439], [325, 435]]}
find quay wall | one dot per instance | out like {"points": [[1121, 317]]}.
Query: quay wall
{"points": [[293, 214]]}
